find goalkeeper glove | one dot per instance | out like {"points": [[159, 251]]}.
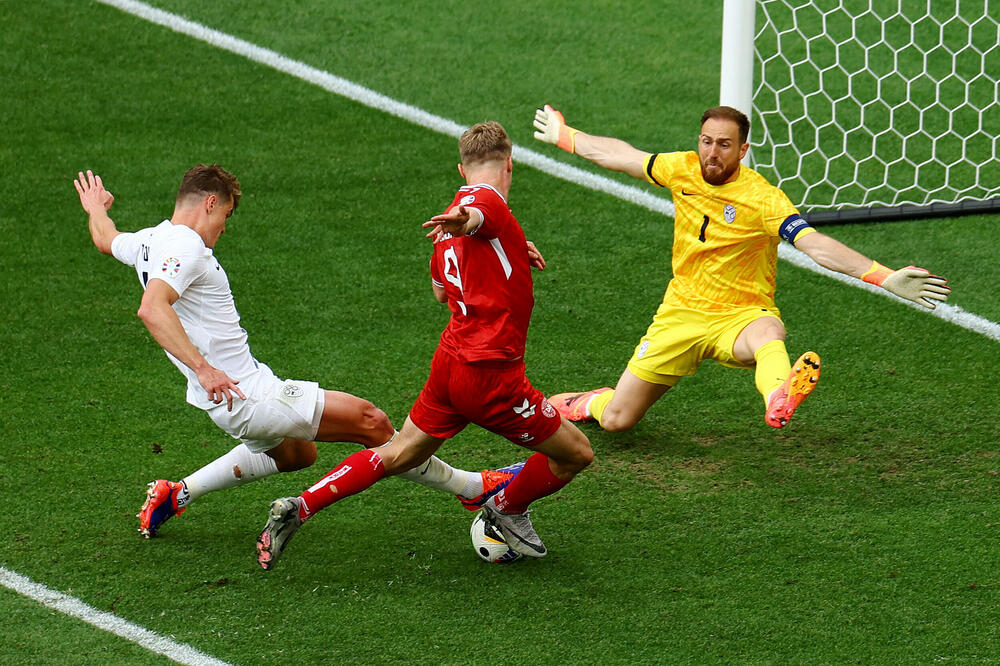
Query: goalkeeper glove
{"points": [[552, 128], [912, 283]]}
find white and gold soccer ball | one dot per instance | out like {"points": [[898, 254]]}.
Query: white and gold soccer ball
{"points": [[489, 543]]}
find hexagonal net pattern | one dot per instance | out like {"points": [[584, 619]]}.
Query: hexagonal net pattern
{"points": [[877, 103]]}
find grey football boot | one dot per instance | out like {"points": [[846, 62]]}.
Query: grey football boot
{"points": [[516, 528], [282, 522]]}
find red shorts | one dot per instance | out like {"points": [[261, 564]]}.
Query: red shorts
{"points": [[494, 395]]}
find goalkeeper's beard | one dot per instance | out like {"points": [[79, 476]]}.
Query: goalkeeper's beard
{"points": [[720, 175]]}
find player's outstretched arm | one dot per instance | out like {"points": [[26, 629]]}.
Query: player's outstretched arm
{"points": [[459, 221], [165, 326], [912, 283], [604, 151], [96, 201]]}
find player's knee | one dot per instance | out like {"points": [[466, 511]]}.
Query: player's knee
{"points": [[585, 456], [774, 330], [294, 455], [615, 420], [376, 429], [306, 455], [579, 455]]}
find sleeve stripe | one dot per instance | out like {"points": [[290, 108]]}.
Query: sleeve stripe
{"points": [[649, 170], [482, 220]]}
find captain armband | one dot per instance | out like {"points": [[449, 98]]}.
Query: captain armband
{"points": [[794, 227]]}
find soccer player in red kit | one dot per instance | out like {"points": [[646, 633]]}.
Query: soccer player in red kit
{"points": [[482, 268]]}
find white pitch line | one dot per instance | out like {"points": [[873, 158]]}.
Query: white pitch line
{"points": [[182, 654], [372, 99], [950, 313]]}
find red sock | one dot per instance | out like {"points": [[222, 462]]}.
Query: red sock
{"points": [[357, 472], [533, 481]]}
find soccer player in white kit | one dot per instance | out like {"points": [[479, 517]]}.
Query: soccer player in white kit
{"points": [[188, 307]]}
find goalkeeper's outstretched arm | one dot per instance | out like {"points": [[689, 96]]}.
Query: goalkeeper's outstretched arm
{"points": [[912, 283], [603, 151]]}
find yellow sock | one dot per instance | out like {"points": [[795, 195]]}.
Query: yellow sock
{"points": [[598, 404], [773, 367]]}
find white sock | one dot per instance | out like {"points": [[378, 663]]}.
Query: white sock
{"points": [[439, 475], [473, 484], [239, 466]]}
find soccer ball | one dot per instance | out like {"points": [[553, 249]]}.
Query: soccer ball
{"points": [[489, 542]]}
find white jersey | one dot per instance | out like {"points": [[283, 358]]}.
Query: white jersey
{"points": [[177, 255]]}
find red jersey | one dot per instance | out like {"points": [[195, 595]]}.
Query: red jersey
{"points": [[487, 280]]}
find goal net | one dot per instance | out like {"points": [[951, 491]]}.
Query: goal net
{"points": [[870, 109]]}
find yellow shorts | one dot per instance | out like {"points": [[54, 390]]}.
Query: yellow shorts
{"points": [[679, 339]]}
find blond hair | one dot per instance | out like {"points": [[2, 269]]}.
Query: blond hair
{"points": [[484, 142]]}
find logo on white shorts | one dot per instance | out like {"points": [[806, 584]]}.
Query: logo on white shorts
{"points": [[171, 266], [729, 212], [525, 410], [643, 348], [292, 391]]}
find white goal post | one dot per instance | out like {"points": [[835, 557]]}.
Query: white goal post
{"points": [[869, 109]]}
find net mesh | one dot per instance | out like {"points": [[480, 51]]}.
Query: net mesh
{"points": [[870, 103]]}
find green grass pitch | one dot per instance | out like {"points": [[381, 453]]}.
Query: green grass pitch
{"points": [[864, 532]]}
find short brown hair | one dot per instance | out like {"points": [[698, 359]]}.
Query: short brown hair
{"points": [[206, 179], [484, 142], [729, 113]]}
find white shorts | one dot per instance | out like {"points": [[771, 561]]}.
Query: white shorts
{"points": [[274, 410]]}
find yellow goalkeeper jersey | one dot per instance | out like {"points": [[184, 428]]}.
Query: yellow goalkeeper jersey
{"points": [[725, 237]]}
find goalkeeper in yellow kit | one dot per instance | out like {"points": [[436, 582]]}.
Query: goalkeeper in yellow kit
{"points": [[720, 303]]}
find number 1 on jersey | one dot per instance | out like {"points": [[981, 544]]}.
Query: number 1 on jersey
{"points": [[704, 225]]}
